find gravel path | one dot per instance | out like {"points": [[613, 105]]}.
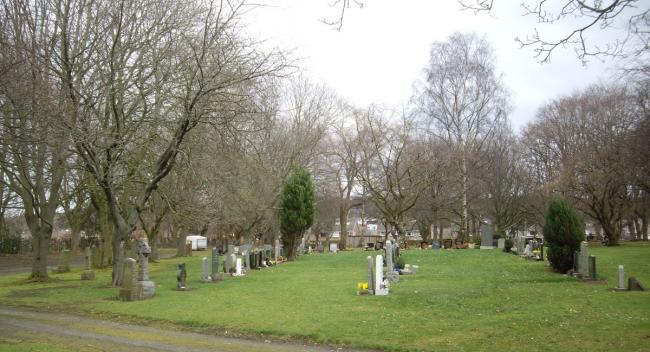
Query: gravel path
{"points": [[72, 333]]}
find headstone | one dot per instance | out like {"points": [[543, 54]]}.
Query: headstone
{"points": [[277, 249], [371, 275], [181, 276], [501, 243], [389, 256], [634, 285], [435, 245], [64, 261], [88, 273], [334, 247], [583, 259], [231, 248], [233, 262], [127, 289], [486, 236], [238, 268], [247, 261], [528, 252], [381, 286], [205, 274], [259, 259], [592, 267], [621, 278], [145, 287], [215, 260], [251, 261]]}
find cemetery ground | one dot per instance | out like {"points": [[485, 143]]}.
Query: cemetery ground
{"points": [[459, 300]]}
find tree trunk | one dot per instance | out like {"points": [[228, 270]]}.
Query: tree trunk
{"points": [[40, 247], [463, 195], [343, 217], [181, 244], [612, 233], [632, 229], [644, 228]]}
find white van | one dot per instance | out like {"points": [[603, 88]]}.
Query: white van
{"points": [[199, 243]]}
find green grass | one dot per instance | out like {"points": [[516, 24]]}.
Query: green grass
{"points": [[463, 300]]}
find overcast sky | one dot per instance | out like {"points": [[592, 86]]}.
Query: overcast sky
{"points": [[383, 47]]}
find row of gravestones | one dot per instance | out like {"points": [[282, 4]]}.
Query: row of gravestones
{"points": [[236, 262], [378, 284], [584, 267]]}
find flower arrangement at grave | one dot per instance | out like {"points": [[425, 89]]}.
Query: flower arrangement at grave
{"points": [[362, 288]]}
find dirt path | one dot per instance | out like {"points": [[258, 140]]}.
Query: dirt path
{"points": [[30, 330]]}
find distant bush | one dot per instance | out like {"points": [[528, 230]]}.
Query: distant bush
{"points": [[477, 240], [508, 245], [563, 232]]}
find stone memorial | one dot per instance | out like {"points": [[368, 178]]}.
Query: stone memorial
{"points": [[621, 278], [634, 285], [486, 236], [247, 261], [501, 243], [371, 275], [592, 267], [128, 287], [391, 274], [528, 252], [64, 261], [277, 249], [583, 260], [205, 272], [88, 273], [145, 287], [181, 276], [238, 268], [381, 286]]}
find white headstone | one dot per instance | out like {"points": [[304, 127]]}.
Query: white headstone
{"points": [[501, 243], [238, 267], [334, 247], [205, 275], [583, 259], [381, 287], [621, 278]]}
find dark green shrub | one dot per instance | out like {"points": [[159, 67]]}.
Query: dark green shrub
{"points": [[563, 232], [477, 241], [508, 245]]}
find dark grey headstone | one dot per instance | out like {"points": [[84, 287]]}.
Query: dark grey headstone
{"points": [[634, 285]]}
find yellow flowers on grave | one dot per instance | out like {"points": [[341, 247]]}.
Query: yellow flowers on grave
{"points": [[362, 288]]}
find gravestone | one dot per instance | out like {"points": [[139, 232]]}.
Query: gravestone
{"points": [[583, 259], [145, 287], [528, 252], [501, 243], [128, 287], [247, 261], [252, 262], [334, 247], [435, 245], [258, 258], [381, 286], [64, 261], [486, 236], [621, 278], [592, 267], [181, 277], [634, 285], [216, 275], [231, 248], [391, 274], [238, 268], [371, 275], [233, 262], [88, 273], [215, 260], [205, 273], [277, 249]]}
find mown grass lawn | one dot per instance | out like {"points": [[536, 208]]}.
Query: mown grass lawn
{"points": [[462, 300]]}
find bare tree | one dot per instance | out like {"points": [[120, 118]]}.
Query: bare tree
{"points": [[587, 20], [461, 100], [34, 146], [389, 164]]}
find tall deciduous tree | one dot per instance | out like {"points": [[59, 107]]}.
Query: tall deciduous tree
{"points": [[461, 100], [296, 209]]}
